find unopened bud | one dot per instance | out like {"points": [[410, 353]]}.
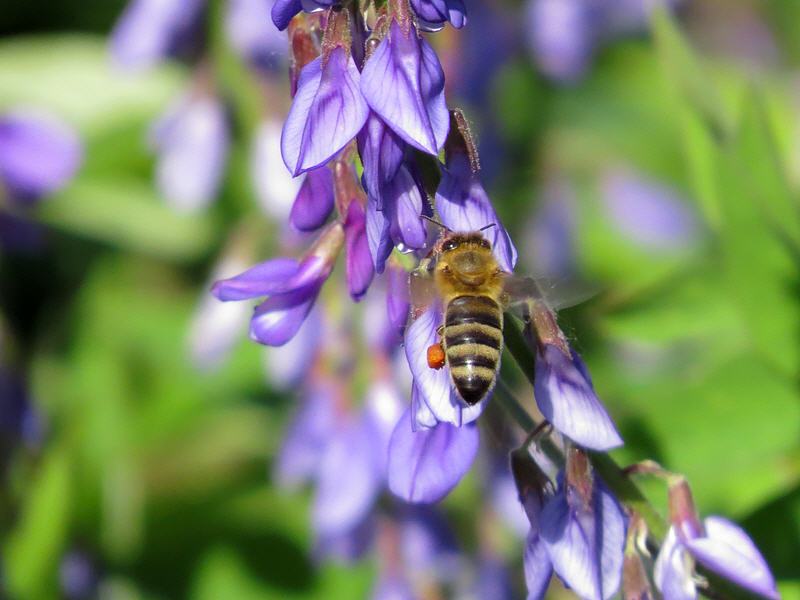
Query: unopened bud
{"points": [[682, 512], [580, 478], [533, 486]]}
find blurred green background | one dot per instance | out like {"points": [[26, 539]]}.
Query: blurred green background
{"points": [[159, 471]]}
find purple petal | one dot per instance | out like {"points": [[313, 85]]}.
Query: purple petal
{"points": [[427, 543], [382, 410], [647, 212], [456, 13], [463, 205], [425, 465], [360, 270], [347, 481], [283, 11], [403, 198], [728, 550], [38, 154], [674, 569], [253, 36], [328, 111], [277, 319], [566, 398], [404, 83], [149, 30], [381, 154], [378, 237], [586, 544], [561, 37], [392, 587], [538, 568], [434, 386], [314, 202], [347, 546], [192, 143], [397, 297], [270, 277], [422, 417], [301, 452], [288, 365], [551, 234], [275, 187]]}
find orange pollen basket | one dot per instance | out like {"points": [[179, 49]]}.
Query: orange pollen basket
{"points": [[436, 356]]}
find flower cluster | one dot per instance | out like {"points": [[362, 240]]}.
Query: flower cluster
{"points": [[367, 125]]}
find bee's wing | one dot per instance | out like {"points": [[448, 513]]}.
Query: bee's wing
{"points": [[421, 287], [555, 295]]}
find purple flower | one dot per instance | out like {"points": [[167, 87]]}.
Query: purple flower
{"points": [[433, 400], [216, 326], [306, 437], [397, 221], [566, 397], [315, 200], [392, 586], [561, 36], [584, 533], [77, 575], [427, 544], [425, 465], [150, 30], [551, 233], [382, 410], [463, 205], [191, 139], [403, 83], [291, 287], [493, 580], [433, 14], [283, 11], [359, 262], [381, 152], [252, 35], [723, 548], [648, 213], [38, 154], [534, 490], [397, 297], [275, 188], [288, 365], [347, 479], [347, 546], [328, 111]]}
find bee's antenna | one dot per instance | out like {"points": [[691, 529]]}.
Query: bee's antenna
{"points": [[435, 222], [490, 225]]}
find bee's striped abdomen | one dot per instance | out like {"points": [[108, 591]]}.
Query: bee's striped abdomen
{"points": [[473, 337]]}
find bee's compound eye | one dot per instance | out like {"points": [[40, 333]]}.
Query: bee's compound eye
{"points": [[449, 245], [485, 244]]}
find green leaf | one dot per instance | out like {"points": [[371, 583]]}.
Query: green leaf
{"points": [[34, 548], [689, 80], [760, 262], [73, 76], [126, 212]]}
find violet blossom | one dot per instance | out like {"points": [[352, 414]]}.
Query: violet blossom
{"points": [[403, 83], [191, 140], [327, 112], [565, 395], [291, 286], [38, 154]]}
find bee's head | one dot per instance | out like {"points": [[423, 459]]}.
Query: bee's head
{"points": [[467, 258]]}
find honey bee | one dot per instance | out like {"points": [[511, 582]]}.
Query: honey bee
{"points": [[462, 271]]}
